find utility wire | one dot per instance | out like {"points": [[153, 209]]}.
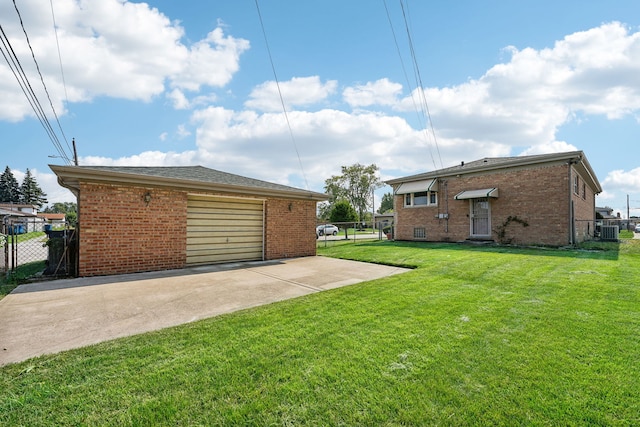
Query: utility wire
{"points": [[64, 83], [41, 78], [419, 80], [420, 117], [284, 108], [16, 68]]}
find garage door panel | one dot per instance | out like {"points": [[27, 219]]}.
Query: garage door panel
{"points": [[224, 230], [218, 240], [230, 222], [223, 257]]}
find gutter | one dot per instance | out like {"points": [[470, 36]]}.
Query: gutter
{"points": [[70, 177]]}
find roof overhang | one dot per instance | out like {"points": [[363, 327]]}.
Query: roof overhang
{"points": [[418, 186], [477, 194], [70, 177]]}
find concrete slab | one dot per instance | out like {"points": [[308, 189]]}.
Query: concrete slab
{"points": [[49, 317]]}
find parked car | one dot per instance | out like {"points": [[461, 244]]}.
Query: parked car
{"points": [[321, 230], [637, 230]]}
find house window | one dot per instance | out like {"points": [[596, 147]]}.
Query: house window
{"points": [[576, 185], [584, 191], [421, 198], [419, 233]]}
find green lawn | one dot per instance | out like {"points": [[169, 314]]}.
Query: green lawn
{"points": [[471, 336]]}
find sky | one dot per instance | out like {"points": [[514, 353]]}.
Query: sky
{"points": [[410, 86]]}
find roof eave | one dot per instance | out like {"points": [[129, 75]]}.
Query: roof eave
{"points": [[70, 177], [525, 161]]}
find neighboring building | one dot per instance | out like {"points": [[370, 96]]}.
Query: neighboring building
{"points": [[544, 199], [20, 218], [21, 208], [55, 219], [133, 219]]}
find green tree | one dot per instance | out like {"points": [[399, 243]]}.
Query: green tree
{"points": [[386, 204], [30, 191], [70, 210], [342, 211], [356, 184], [9, 189]]}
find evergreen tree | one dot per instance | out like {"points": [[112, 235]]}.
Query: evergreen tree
{"points": [[30, 191], [386, 205], [9, 189]]}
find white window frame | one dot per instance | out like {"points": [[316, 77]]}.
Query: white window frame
{"points": [[432, 199]]}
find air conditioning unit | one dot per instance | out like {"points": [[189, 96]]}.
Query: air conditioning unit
{"points": [[609, 232]]}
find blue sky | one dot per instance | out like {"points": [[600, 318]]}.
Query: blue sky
{"points": [[185, 83]]}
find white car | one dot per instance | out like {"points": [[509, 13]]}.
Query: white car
{"points": [[637, 230], [321, 230]]}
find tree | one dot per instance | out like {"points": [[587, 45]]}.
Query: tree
{"points": [[342, 211], [386, 204], [70, 210], [9, 189], [30, 191], [356, 184]]}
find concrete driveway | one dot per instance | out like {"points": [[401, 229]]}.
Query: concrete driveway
{"points": [[49, 317]]}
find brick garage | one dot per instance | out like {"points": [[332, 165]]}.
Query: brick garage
{"points": [[134, 219], [493, 198]]}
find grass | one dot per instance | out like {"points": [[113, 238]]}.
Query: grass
{"points": [[8, 282], [27, 236], [471, 336]]}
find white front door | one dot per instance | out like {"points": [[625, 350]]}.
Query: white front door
{"points": [[480, 217]]}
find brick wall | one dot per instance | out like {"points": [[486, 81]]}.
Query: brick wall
{"points": [[290, 228], [537, 195], [120, 233]]}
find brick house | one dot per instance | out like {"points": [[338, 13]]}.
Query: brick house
{"points": [[133, 219], [544, 199]]}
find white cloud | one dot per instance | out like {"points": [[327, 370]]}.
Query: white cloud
{"points": [[624, 181], [107, 50], [380, 92], [523, 102], [299, 91], [216, 49], [178, 99]]}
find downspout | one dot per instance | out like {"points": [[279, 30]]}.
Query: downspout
{"points": [[570, 200]]}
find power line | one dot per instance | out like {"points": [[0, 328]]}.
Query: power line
{"points": [[41, 78], [64, 83], [419, 84], [16, 68], [420, 117], [284, 109]]}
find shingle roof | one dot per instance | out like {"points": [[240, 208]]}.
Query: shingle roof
{"points": [[495, 163], [183, 176]]}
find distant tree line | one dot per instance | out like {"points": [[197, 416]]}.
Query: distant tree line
{"points": [[28, 193]]}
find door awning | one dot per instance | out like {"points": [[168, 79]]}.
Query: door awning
{"points": [[418, 186], [476, 194]]}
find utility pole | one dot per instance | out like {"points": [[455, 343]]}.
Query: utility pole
{"points": [[75, 152], [628, 217]]}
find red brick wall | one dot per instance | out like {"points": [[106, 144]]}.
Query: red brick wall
{"points": [[120, 233], [584, 207], [537, 195], [290, 228]]}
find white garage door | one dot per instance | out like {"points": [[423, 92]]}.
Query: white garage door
{"points": [[224, 229]]}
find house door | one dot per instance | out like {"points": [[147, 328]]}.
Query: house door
{"points": [[480, 217]]}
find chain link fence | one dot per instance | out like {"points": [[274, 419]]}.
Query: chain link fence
{"points": [[30, 246], [339, 232]]}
